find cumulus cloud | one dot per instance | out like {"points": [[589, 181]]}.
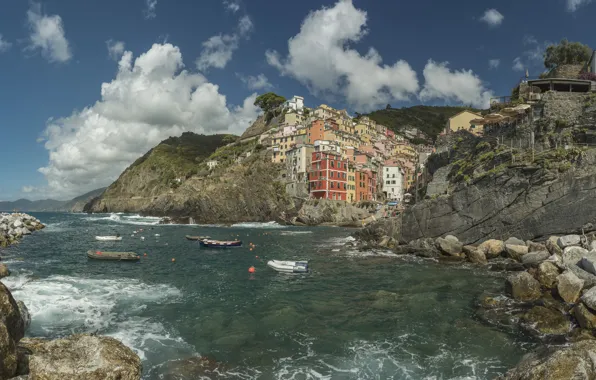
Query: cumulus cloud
{"points": [[532, 57], [47, 35], [149, 11], [151, 98], [232, 6], [494, 63], [492, 17], [451, 85], [259, 82], [28, 189], [518, 65], [573, 5], [115, 49], [218, 49], [4, 45], [320, 58]]}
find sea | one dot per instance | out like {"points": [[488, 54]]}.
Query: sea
{"points": [[355, 315]]}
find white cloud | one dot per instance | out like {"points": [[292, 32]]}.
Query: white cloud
{"points": [[532, 57], [494, 63], [28, 189], [492, 17], [259, 82], [232, 5], [150, 99], [47, 35], [218, 50], [319, 57], [4, 45], [461, 86], [573, 5], [150, 10], [518, 64], [115, 49], [529, 40]]}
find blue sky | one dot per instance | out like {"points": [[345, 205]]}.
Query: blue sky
{"points": [[61, 136]]}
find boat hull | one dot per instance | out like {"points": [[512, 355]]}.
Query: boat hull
{"points": [[219, 244], [113, 256], [189, 237], [288, 266], [108, 238]]}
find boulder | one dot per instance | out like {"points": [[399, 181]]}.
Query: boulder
{"points": [[9, 314], [506, 265], [475, 255], [492, 248], [4, 272], [17, 223], [79, 357], [523, 287], [568, 241], [516, 252], [569, 286], [585, 318], [593, 245], [589, 278], [514, 241], [571, 362], [8, 354], [449, 247], [424, 247], [547, 274], [25, 316], [535, 247], [452, 238], [574, 255], [589, 298], [588, 262], [191, 369], [534, 258], [545, 321]]}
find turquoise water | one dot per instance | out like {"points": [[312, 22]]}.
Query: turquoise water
{"points": [[355, 316]]}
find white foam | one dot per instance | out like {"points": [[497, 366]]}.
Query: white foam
{"points": [[295, 232], [258, 225], [126, 219]]}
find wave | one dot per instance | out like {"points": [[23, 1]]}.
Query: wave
{"points": [[258, 225], [126, 219], [295, 232]]}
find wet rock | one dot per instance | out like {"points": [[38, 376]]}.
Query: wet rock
{"points": [[385, 300], [492, 248], [4, 272], [535, 247], [25, 316], [547, 274], [8, 354], [579, 334], [573, 255], [475, 255], [516, 252], [490, 302], [452, 238], [514, 241], [569, 286], [451, 259], [585, 318], [80, 357], [568, 241], [534, 258], [191, 369], [9, 314], [545, 321], [449, 247], [573, 362], [552, 246], [425, 247], [506, 265], [523, 287]]}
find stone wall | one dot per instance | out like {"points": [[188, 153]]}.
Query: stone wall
{"points": [[566, 71], [295, 189], [564, 106]]}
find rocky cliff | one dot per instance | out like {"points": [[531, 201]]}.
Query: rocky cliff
{"points": [[499, 186]]}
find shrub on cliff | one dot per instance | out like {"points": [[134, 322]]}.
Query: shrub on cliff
{"points": [[566, 53]]}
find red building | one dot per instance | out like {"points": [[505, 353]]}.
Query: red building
{"points": [[328, 176]]}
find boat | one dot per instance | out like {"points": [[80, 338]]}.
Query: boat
{"points": [[190, 237], [288, 266], [114, 256], [206, 243], [108, 238]]}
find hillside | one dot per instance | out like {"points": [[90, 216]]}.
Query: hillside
{"points": [[47, 205], [430, 120], [77, 204]]}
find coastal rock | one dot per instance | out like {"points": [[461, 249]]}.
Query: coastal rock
{"points": [[589, 278], [449, 247], [191, 369], [589, 298], [588, 262], [573, 255], [545, 321], [534, 258], [514, 241], [9, 314], [507, 265], [492, 248], [523, 287], [80, 357], [547, 274], [516, 252], [569, 286], [475, 255], [573, 362], [585, 318], [25, 316], [552, 246], [452, 238], [593, 245], [17, 223], [4, 272], [568, 241], [8, 354], [535, 247], [425, 247]]}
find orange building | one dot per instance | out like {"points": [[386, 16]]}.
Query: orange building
{"points": [[362, 181], [316, 131]]}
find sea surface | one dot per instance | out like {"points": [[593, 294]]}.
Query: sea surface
{"points": [[357, 315]]}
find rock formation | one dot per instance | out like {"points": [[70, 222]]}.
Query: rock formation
{"points": [[14, 226]]}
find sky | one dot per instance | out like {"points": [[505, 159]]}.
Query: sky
{"points": [[86, 87]]}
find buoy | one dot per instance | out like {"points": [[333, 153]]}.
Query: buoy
{"points": [[173, 260], [251, 249], [251, 270], [257, 257], [144, 254], [138, 257]]}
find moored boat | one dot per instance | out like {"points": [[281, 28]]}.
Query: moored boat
{"points": [[108, 238], [115, 256], [190, 237], [206, 243], [288, 266]]}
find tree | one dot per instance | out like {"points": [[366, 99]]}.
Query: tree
{"points": [[566, 53], [388, 107], [269, 101]]}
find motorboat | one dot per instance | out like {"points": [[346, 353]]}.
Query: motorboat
{"points": [[207, 243], [114, 256], [108, 238], [288, 266], [190, 237]]}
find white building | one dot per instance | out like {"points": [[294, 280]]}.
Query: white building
{"points": [[327, 146], [297, 165], [212, 164], [296, 103], [393, 180]]}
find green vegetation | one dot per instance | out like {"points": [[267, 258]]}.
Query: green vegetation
{"points": [[269, 101], [566, 53], [430, 120]]}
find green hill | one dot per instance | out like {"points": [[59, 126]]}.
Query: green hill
{"points": [[430, 120]]}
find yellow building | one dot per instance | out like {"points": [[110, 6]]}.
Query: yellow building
{"points": [[281, 144], [292, 118], [462, 121], [351, 190]]}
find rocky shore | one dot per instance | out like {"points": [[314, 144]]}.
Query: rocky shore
{"points": [[550, 293], [16, 225]]}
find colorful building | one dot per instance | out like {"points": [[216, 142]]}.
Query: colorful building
{"points": [[351, 194], [393, 181], [462, 121], [328, 176], [293, 118], [316, 131], [361, 185]]}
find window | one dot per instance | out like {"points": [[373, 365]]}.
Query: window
{"points": [[332, 185], [344, 186], [386, 169], [332, 164], [394, 176], [387, 175], [393, 182], [388, 182], [331, 175]]}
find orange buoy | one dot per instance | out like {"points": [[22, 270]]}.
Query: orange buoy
{"points": [[251, 270], [144, 254], [173, 260], [138, 257], [251, 249], [257, 257]]}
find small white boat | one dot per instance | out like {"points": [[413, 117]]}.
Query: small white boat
{"points": [[108, 238], [289, 266]]}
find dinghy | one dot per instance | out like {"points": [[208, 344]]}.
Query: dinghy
{"points": [[289, 266], [206, 243], [114, 256], [190, 237], [108, 238]]}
